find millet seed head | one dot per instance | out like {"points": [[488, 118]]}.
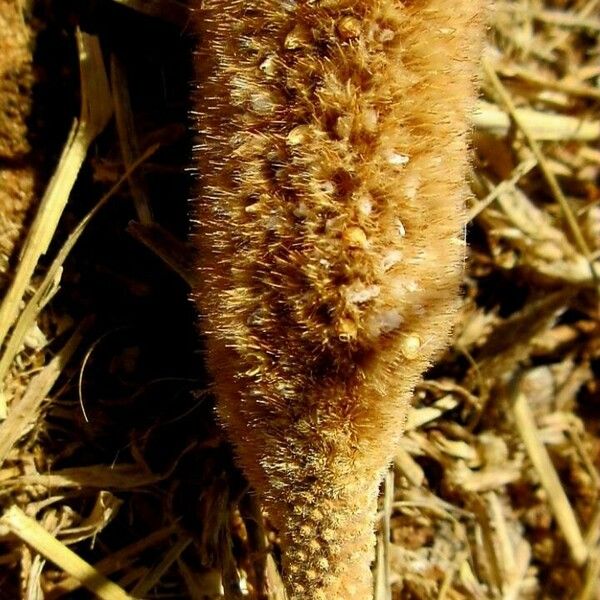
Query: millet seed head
{"points": [[331, 157]]}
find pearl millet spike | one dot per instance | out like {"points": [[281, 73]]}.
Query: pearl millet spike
{"points": [[332, 157]]}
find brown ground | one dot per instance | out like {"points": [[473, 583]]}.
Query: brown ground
{"points": [[494, 492]]}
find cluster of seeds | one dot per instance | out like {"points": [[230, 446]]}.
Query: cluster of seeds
{"points": [[332, 156]]}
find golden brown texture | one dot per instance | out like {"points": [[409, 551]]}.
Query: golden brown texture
{"points": [[16, 80], [332, 154]]}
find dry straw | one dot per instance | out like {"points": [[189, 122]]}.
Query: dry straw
{"points": [[96, 110], [48, 546]]}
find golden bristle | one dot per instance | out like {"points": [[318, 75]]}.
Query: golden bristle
{"points": [[332, 160]]}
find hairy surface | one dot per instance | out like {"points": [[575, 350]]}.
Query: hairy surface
{"points": [[332, 156], [16, 81]]}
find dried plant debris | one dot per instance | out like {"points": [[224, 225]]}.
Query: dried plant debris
{"points": [[115, 476]]}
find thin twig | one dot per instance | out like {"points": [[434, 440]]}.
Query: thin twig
{"points": [[519, 171], [128, 140], [562, 509], [541, 125], [546, 171], [552, 17], [113, 562], [153, 577]]}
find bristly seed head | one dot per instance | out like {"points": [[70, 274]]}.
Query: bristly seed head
{"points": [[328, 224]]}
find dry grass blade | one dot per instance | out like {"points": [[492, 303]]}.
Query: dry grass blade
{"points": [[114, 562], [33, 534], [541, 125], [379, 579], [383, 585], [519, 171], [419, 416], [548, 174], [45, 292], [585, 457], [119, 477], [251, 513], [592, 535], [154, 576], [557, 498], [128, 141], [488, 547], [407, 467], [504, 547], [50, 283], [591, 585], [552, 17], [25, 411], [585, 91], [96, 101], [275, 588], [514, 554], [96, 110]]}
